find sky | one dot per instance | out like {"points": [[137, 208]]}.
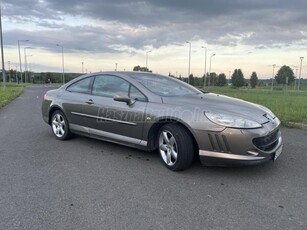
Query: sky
{"points": [[252, 35]]}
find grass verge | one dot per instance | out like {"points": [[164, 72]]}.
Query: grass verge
{"points": [[9, 93]]}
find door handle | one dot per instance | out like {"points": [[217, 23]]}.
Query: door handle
{"points": [[89, 102]]}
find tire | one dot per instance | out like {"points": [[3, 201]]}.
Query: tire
{"points": [[176, 147], [60, 126]]}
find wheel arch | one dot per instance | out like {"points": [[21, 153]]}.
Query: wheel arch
{"points": [[154, 130], [51, 111]]}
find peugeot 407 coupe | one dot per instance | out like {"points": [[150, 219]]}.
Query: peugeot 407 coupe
{"points": [[154, 112]]}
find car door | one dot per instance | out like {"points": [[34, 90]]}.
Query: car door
{"points": [[115, 120], [73, 100]]}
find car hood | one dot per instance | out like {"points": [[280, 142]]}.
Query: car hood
{"points": [[210, 102]]}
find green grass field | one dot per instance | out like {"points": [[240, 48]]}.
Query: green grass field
{"points": [[289, 106], [9, 93]]}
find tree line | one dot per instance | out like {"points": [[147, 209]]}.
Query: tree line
{"points": [[285, 76], [43, 77]]}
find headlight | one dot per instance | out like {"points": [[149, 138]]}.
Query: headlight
{"points": [[232, 121]]}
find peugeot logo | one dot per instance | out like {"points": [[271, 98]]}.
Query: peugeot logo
{"points": [[269, 117]]}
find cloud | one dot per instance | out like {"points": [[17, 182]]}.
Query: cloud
{"points": [[104, 26]]}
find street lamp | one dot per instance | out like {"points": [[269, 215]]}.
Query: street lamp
{"points": [[205, 74], [189, 61], [25, 53], [63, 77], [210, 68], [28, 69], [296, 77], [273, 75], [147, 58], [299, 80], [20, 57], [16, 67], [9, 63], [2, 54]]}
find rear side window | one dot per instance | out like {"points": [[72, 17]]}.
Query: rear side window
{"points": [[82, 86]]}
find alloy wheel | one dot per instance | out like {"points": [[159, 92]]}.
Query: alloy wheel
{"points": [[58, 125], [168, 147]]}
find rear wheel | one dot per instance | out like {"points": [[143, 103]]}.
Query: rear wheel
{"points": [[60, 126], [176, 147]]}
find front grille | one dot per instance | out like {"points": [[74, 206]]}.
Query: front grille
{"points": [[267, 143]]}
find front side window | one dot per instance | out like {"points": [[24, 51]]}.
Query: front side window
{"points": [[82, 86], [135, 94], [109, 86]]}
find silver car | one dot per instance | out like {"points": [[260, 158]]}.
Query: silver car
{"points": [[155, 112]]}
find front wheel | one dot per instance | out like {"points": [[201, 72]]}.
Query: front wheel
{"points": [[176, 147], [60, 126]]}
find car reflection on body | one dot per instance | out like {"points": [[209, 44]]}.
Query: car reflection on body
{"points": [[155, 112]]}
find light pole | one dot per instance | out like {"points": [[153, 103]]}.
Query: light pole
{"points": [[147, 58], [9, 63], [299, 80], [273, 76], [205, 74], [115, 66], [25, 53], [189, 69], [2, 54], [63, 77], [210, 68], [296, 78], [16, 67], [27, 69], [20, 58], [82, 63]]}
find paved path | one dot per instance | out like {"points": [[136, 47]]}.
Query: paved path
{"points": [[89, 184]]}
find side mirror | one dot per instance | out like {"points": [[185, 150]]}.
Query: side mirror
{"points": [[127, 100]]}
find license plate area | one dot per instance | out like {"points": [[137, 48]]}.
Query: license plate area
{"points": [[278, 152]]}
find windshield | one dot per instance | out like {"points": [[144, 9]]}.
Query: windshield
{"points": [[165, 86]]}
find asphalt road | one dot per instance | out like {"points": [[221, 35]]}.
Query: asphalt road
{"points": [[89, 184]]}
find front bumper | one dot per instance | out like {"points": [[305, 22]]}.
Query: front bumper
{"points": [[237, 147], [210, 158]]}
